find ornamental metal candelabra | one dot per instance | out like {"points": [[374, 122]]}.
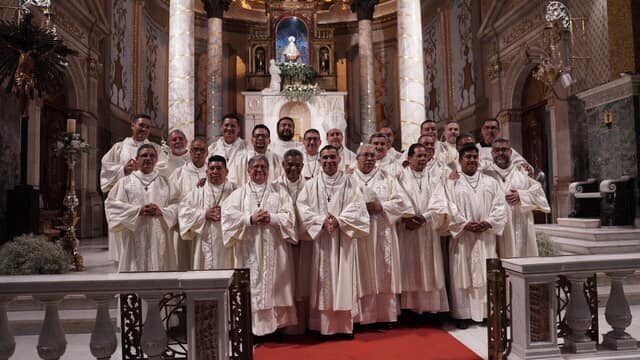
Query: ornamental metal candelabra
{"points": [[70, 218]]}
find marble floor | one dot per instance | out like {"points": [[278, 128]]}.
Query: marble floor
{"points": [[95, 258]]}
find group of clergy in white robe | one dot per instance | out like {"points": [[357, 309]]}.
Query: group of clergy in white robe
{"points": [[330, 237]]}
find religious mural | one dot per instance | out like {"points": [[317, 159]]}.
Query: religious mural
{"points": [[154, 70], [384, 76], [432, 74], [292, 30], [463, 56], [121, 53]]}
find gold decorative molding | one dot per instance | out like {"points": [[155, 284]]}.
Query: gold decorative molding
{"points": [[69, 26]]}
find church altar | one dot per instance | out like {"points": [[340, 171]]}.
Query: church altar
{"points": [[322, 112]]}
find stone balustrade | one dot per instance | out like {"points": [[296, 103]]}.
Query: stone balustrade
{"points": [[204, 290], [534, 307]]}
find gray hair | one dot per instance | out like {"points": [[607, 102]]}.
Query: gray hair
{"points": [[257, 158]]}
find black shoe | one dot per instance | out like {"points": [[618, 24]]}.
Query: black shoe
{"points": [[462, 324], [337, 337], [388, 325], [432, 319]]}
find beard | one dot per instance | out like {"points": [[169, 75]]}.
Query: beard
{"points": [[285, 136]]}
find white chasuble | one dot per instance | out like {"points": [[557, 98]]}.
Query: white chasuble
{"points": [[112, 170], [348, 159], [209, 252], [378, 256], [333, 293], [232, 153], [472, 198], [519, 237], [169, 163], [423, 273], [486, 159], [279, 147], [238, 171], [146, 240], [311, 166], [265, 250]]}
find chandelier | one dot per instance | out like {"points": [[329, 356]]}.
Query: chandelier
{"points": [[553, 64]]}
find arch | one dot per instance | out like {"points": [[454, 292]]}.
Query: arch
{"points": [[517, 75], [301, 115], [75, 82]]}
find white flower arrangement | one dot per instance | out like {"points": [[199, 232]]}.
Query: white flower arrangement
{"points": [[164, 147], [70, 142], [300, 92]]}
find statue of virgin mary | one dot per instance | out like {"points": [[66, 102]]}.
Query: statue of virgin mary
{"points": [[291, 52]]}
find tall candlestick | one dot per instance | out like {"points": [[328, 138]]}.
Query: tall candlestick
{"points": [[71, 125]]}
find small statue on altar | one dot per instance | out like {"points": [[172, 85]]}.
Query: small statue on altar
{"points": [[291, 52], [324, 60], [274, 71], [259, 60]]}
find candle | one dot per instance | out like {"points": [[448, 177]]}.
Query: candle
{"points": [[71, 125]]}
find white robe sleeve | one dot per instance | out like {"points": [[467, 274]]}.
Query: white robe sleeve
{"points": [[533, 198], [284, 219], [397, 204], [234, 220], [192, 215], [353, 219], [121, 214], [497, 216], [111, 168], [309, 211]]}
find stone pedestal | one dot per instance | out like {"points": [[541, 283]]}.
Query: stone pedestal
{"points": [[182, 67], [410, 70]]}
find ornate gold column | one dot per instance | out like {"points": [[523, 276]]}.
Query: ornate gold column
{"points": [[182, 66], [215, 10], [364, 10], [410, 70]]}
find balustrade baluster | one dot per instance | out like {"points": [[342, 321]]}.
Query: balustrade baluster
{"points": [[103, 337], [7, 341], [618, 314], [51, 342], [154, 335], [578, 317]]}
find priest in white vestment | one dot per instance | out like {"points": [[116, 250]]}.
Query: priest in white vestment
{"points": [[143, 207], [260, 140], [334, 213], [293, 182], [490, 131], [448, 153], [335, 138], [391, 151], [385, 161], [430, 128], [421, 258], [378, 256], [312, 142], [523, 195], [185, 179], [258, 222], [476, 206], [119, 162], [285, 129], [230, 145], [200, 216], [174, 155]]}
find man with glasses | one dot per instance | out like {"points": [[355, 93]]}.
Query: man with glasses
{"points": [[312, 142]]}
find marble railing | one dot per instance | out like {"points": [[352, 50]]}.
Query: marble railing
{"points": [[535, 304], [208, 338]]}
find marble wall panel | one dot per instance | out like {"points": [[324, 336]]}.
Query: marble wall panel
{"points": [[434, 71], [121, 62], [613, 149]]}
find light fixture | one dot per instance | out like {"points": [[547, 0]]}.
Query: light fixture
{"points": [[553, 66]]}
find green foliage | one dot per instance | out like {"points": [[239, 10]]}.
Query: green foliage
{"points": [[545, 246], [297, 73], [300, 92], [33, 254]]}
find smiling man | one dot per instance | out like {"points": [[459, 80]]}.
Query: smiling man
{"points": [[230, 144], [334, 214], [260, 226], [335, 138], [200, 216], [378, 260], [143, 208], [177, 156], [285, 129]]}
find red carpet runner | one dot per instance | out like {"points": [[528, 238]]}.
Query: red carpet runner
{"points": [[400, 344]]}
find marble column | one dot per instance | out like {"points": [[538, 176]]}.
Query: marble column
{"points": [[364, 10], [410, 70], [215, 10], [182, 66]]}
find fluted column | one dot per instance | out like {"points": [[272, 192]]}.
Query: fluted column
{"points": [[410, 70], [578, 317], [7, 341], [364, 10], [51, 342], [618, 315], [154, 336], [103, 341], [215, 10], [182, 66]]}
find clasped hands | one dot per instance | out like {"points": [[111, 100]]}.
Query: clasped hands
{"points": [[150, 210], [512, 197], [213, 213], [374, 207], [477, 226], [414, 222], [331, 224], [260, 217]]}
